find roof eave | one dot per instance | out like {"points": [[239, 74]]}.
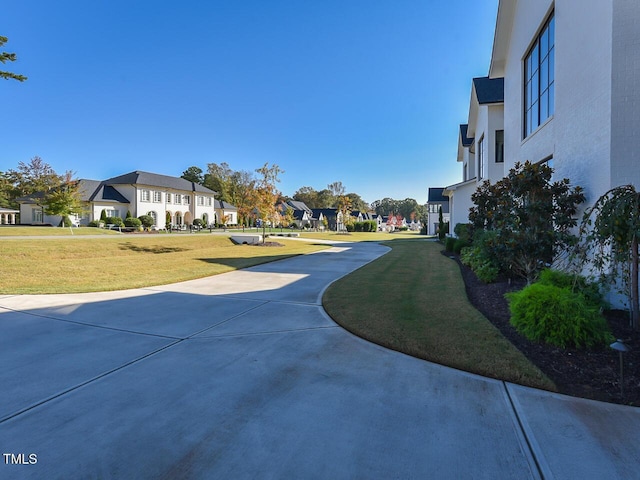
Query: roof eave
{"points": [[502, 38]]}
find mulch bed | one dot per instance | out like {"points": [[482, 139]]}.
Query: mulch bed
{"points": [[593, 374]]}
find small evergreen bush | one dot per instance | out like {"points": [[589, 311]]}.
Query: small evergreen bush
{"points": [[132, 222], [575, 283], [146, 221], [463, 232], [94, 223], [448, 244], [458, 245], [117, 221], [481, 264], [558, 316]]}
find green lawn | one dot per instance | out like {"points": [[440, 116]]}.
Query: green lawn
{"points": [[413, 300], [116, 262], [18, 231]]}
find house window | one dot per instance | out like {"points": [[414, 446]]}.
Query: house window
{"points": [[539, 76], [178, 200], [145, 195], [499, 146], [481, 158], [36, 215], [186, 199], [168, 198], [200, 200], [209, 201], [157, 197], [111, 212]]}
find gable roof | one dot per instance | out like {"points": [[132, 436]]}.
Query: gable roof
{"points": [[502, 37], [489, 90], [222, 205], [157, 180], [466, 141], [297, 205]]}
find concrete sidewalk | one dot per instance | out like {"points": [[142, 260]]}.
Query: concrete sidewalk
{"points": [[243, 375]]}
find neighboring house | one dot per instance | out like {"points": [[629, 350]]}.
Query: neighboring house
{"points": [[480, 146], [8, 216], [571, 88], [140, 193], [436, 201], [395, 222], [380, 220], [302, 215], [332, 216], [226, 214]]}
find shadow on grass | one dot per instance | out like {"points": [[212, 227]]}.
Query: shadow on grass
{"points": [[156, 249]]}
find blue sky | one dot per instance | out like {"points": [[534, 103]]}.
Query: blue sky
{"points": [[369, 93]]}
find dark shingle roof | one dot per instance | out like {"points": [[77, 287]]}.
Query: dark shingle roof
{"points": [[435, 195], [108, 193], [489, 90], [297, 205], [222, 205], [157, 180], [466, 141]]}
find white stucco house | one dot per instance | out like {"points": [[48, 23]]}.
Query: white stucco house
{"points": [[8, 216], [480, 146], [571, 88], [171, 201], [226, 213]]}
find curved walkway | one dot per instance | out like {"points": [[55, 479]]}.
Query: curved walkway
{"points": [[243, 375]]}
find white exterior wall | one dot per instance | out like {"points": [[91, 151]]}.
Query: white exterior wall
{"points": [[460, 203], [625, 94], [578, 135], [489, 119], [495, 121], [468, 165]]}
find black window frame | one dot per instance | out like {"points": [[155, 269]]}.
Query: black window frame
{"points": [[539, 79]]}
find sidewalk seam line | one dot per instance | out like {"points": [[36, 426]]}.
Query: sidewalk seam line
{"points": [[523, 430], [86, 382]]}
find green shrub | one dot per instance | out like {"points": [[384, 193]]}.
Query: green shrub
{"points": [[575, 283], [558, 316], [103, 216], [481, 264], [117, 221], [448, 244], [458, 245], [94, 223], [146, 221], [463, 232], [350, 227], [132, 222]]}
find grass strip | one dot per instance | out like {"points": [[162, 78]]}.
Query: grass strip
{"points": [[413, 300]]}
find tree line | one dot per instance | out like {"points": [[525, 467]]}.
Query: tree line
{"points": [[246, 190], [236, 187]]}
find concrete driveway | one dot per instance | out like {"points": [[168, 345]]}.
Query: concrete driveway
{"points": [[243, 375]]}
